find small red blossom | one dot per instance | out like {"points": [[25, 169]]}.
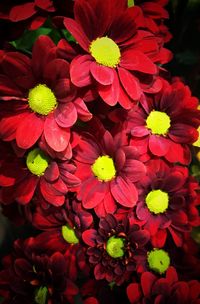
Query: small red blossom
{"points": [[108, 169]]}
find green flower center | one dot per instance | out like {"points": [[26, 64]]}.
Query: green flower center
{"points": [[115, 247], [105, 51], [69, 235], [158, 122], [42, 100], [104, 168], [41, 295], [157, 201], [158, 260], [130, 3], [37, 162]]}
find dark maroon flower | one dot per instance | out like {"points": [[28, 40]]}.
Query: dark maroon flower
{"points": [[108, 169], [32, 276], [156, 290], [166, 203], [116, 249]]}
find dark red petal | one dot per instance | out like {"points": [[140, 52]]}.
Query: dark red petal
{"points": [[158, 145], [141, 237], [99, 272], [110, 93], [8, 126], [22, 11], [93, 192], [37, 22], [55, 70], [178, 153], [124, 192], [134, 293], [22, 267], [65, 115], [80, 70], [46, 5], [50, 194], [124, 99], [130, 84], [29, 131], [171, 275], [109, 204], [134, 170], [56, 137], [89, 237], [82, 110], [75, 29], [52, 172], [25, 190], [182, 133], [102, 74]]}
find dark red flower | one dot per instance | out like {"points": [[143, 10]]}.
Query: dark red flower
{"points": [[156, 290], [108, 169], [120, 63], [166, 123], [166, 203], [38, 99], [21, 178], [116, 249], [30, 275]]}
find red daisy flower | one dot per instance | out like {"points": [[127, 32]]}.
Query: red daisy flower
{"points": [[166, 123], [108, 169], [30, 275], [166, 202], [24, 177], [35, 11], [121, 63], [169, 289], [38, 98], [116, 249]]}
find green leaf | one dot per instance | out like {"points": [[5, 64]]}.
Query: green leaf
{"points": [[68, 36]]}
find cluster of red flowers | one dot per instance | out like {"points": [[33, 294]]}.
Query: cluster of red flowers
{"points": [[95, 151]]}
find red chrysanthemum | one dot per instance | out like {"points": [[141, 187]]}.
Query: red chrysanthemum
{"points": [[35, 173], [166, 123], [30, 275], [116, 249], [38, 99], [108, 169], [169, 289], [118, 58], [166, 202], [35, 11]]}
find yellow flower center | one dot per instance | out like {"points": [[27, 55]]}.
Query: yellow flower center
{"points": [[130, 3], [157, 201], [37, 162], [158, 122], [115, 247], [105, 51], [41, 295], [69, 235], [42, 100], [104, 168], [158, 260]]}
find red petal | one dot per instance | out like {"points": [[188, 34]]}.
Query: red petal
{"points": [[55, 70], [52, 172], [82, 110], [102, 74], [130, 84], [158, 145], [29, 131], [37, 22], [147, 281], [22, 11], [124, 192], [171, 275], [56, 137], [80, 70], [46, 5], [93, 192], [134, 170], [124, 99], [89, 237], [50, 194], [66, 115], [25, 190], [8, 126], [134, 293], [110, 93]]}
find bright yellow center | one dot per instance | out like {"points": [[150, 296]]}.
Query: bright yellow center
{"points": [[37, 162], [115, 247], [157, 201], [158, 122], [104, 168], [41, 295], [105, 51], [42, 100], [130, 3], [69, 235], [158, 260]]}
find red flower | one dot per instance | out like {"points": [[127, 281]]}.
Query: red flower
{"points": [[108, 169], [23, 178], [169, 289], [116, 249], [166, 123], [166, 203], [35, 11], [30, 275], [121, 63], [39, 98]]}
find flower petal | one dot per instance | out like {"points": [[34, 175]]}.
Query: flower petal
{"points": [[124, 192], [130, 84], [25, 190], [158, 145], [65, 115], [102, 74], [80, 70], [22, 11]]}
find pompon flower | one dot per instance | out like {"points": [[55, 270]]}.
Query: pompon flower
{"points": [[116, 249], [30, 275], [166, 204], [166, 123], [39, 98], [120, 63], [22, 178], [168, 289], [108, 169], [36, 12]]}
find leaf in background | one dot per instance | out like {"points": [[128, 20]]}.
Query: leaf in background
{"points": [[68, 36]]}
